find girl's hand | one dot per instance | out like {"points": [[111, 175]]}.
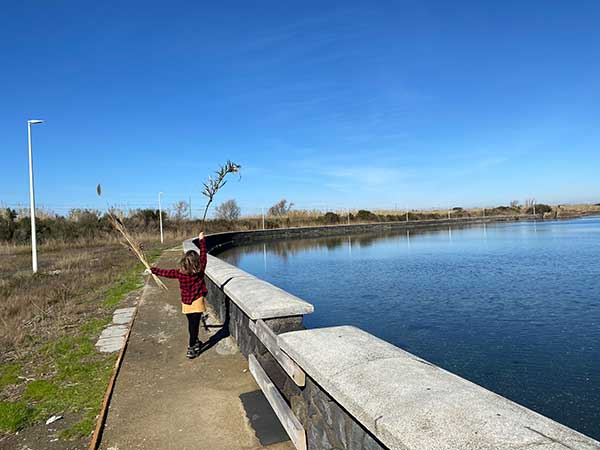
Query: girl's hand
{"points": [[201, 235], [147, 272]]}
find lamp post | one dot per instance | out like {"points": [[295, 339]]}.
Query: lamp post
{"points": [[160, 218], [32, 198]]}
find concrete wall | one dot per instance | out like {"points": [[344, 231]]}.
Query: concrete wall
{"points": [[362, 392], [327, 425]]}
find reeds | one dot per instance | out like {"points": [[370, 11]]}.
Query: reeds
{"points": [[212, 186], [132, 244]]}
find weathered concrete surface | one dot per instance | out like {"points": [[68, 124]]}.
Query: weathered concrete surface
{"points": [[164, 401], [410, 404], [221, 272], [122, 316], [261, 300], [112, 338]]}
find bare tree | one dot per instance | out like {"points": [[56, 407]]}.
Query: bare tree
{"points": [[281, 208], [515, 204], [228, 210], [180, 210]]}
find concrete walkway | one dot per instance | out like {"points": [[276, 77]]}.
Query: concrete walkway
{"points": [[164, 401]]}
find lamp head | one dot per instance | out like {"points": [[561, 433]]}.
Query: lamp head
{"points": [[33, 122]]}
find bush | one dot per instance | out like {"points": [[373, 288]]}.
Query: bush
{"points": [[459, 212], [540, 208], [7, 224], [330, 218], [365, 215], [145, 219], [502, 210]]}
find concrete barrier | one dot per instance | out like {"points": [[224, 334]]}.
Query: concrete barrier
{"points": [[360, 392]]}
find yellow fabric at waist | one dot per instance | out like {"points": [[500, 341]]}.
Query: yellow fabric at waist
{"points": [[197, 306]]}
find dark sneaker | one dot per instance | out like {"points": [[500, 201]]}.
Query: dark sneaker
{"points": [[198, 346], [192, 352]]}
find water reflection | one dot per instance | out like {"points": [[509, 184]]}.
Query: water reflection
{"points": [[290, 247]]}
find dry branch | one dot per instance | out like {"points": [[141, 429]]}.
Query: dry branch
{"points": [[212, 186]]}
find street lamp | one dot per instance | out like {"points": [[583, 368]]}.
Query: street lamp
{"points": [[32, 198], [160, 218]]}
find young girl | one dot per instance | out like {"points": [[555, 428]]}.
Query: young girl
{"points": [[193, 290]]}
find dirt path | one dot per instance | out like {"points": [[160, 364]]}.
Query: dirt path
{"points": [[164, 401]]}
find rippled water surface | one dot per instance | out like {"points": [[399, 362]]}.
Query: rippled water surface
{"points": [[513, 307]]}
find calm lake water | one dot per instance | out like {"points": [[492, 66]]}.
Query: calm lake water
{"points": [[514, 307]]}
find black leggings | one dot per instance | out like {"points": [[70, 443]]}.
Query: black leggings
{"points": [[193, 326]]}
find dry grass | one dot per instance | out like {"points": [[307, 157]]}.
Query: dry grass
{"points": [[49, 323], [59, 245], [72, 277], [35, 307], [580, 209], [311, 217]]}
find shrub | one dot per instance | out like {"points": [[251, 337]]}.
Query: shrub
{"points": [[363, 214], [330, 218], [7, 223], [144, 219], [389, 218], [501, 210], [540, 208], [459, 212]]}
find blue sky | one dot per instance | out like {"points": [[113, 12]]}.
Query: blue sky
{"points": [[330, 105]]}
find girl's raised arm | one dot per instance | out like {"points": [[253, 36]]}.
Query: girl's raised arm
{"points": [[167, 273], [202, 247]]}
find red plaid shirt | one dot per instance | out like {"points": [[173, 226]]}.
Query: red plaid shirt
{"points": [[192, 287]]}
